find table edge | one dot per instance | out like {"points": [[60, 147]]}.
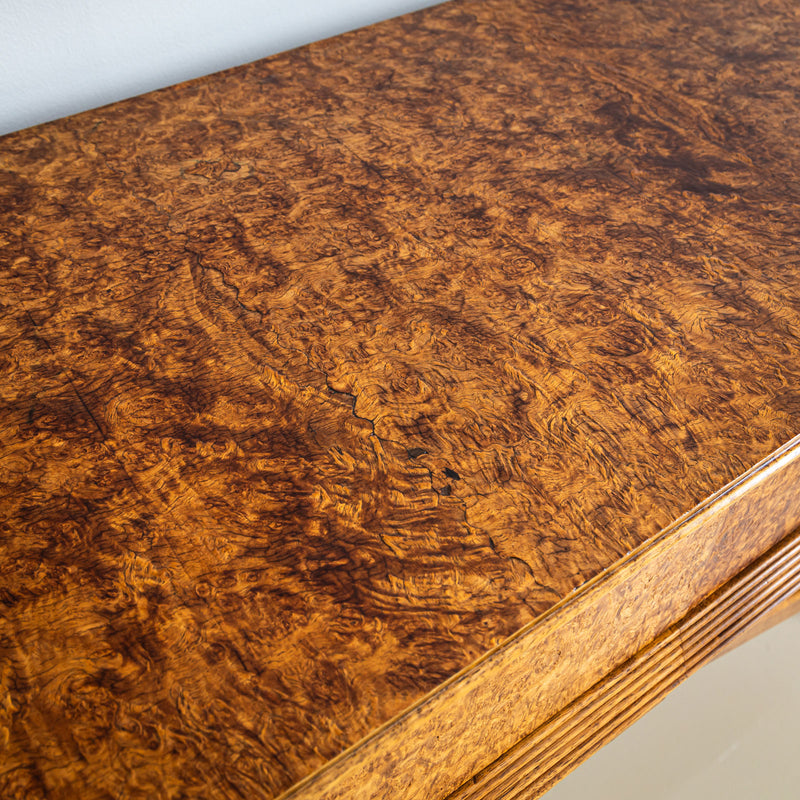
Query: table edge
{"points": [[469, 721]]}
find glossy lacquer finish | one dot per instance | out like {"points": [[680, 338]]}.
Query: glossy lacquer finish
{"points": [[323, 376]]}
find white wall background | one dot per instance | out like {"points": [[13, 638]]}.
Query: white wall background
{"points": [[58, 57]]}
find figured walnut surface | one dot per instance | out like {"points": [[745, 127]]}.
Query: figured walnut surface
{"points": [[530, 687], [326, 374], [596, 716]]}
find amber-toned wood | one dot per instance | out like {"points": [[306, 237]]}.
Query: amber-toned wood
{"points": [[783, 611], [533, 681], [530, 768], [356, 402]]}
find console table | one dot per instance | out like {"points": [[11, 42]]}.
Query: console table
{"points": [[403, 415]]}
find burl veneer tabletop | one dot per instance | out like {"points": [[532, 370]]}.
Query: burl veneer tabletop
{"points": [[324, 375]]}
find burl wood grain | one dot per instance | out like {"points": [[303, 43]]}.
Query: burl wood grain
{"points": [[736, 610], [325, 375], [533, 686]]}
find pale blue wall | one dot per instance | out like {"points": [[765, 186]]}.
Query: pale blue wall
{"points": [[58, 57]]}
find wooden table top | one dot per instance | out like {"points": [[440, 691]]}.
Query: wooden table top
{"points": [[331, 377]]}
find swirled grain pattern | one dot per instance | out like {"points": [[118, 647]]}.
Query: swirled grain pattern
{"points": [[326, 374]]}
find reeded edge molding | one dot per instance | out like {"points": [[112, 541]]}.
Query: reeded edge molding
{"points": [[788, 607], [482, 712], [540, 760]]}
